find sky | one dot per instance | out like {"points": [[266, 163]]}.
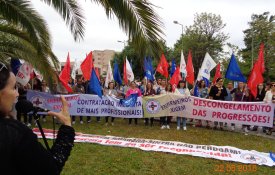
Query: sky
{"points": [[102, 33]]}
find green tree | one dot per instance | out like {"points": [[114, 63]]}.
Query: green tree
{"points": [[24, 34], [261, 30], [205, 35], [137, 61]]}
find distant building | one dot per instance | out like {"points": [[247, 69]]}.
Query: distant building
{"points": [[100, 58]]}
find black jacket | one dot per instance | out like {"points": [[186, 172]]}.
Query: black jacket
{"points": [[21, 153]]}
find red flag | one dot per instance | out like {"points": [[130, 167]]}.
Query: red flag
{"points": [[65, 74], [87, 65], [175, 79], [217, 73], [260, 61], [258, 69], [125, 79], [32, 75], [97, 72], [190, 69], [163, 66], [254, 79]]}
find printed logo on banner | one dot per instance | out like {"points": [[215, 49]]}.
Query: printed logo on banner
{"points": [[208, 67], [152, 106], [252, 158], [38, 101]]}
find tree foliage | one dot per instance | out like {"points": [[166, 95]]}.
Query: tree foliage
{"points": [[261, 30], [137, 62], [24, 33], [205, 35]]}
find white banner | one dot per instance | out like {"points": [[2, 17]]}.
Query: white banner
{"points": [[87, 105], [247, 113], [226, 153]]}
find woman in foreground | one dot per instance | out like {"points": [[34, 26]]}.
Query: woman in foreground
{"points": [[20, 151]]}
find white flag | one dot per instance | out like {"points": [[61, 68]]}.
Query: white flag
{"points": [[75, 67], [109, 76], [38, 75], [129, 71], [182, 65], [199, 77], [207, 65], [24, 73]]}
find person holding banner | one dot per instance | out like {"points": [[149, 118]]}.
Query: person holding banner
{"points": [[110, 91], [218, 92], [78, 88], [149, 91], [181, 89], [165, 121], [241, 93], [270, 97], [133, 90], [203, 93], [20, 150]]}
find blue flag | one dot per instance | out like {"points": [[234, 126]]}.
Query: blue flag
{"points": [[196, 91], [173, 67], [117, 76], [148, 68], [149, 60], [233, 71], [15, 65], [207, 83], [94, 84], [130, 101]]}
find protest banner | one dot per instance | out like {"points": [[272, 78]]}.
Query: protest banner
{"points": [[248, 113], [226, 153], [86, 105]]}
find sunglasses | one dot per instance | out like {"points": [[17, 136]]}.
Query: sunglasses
{"points": [[273, 85], [2, 66]]}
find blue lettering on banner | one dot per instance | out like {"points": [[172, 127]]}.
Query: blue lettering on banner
{"points": [[90, 105], [178, 108]]}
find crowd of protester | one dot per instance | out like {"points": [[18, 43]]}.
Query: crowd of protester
{"points": [[215, 91]]}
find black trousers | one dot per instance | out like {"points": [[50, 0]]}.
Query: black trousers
{"points": [[27, 118], [81, 118], [107, 118], [130, 120], [165, 120], [147, 121]]}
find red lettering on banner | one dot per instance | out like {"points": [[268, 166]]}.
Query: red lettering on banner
{"points": [[195, 102], [113, 142], [268, 108], [201, 113], [147, 145], [239, 117], [59, 107], [130, 144]]}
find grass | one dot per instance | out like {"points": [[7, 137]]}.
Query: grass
{"points": [[96, 159]]}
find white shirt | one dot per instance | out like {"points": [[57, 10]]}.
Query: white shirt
{"points": [[268, 96]]}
